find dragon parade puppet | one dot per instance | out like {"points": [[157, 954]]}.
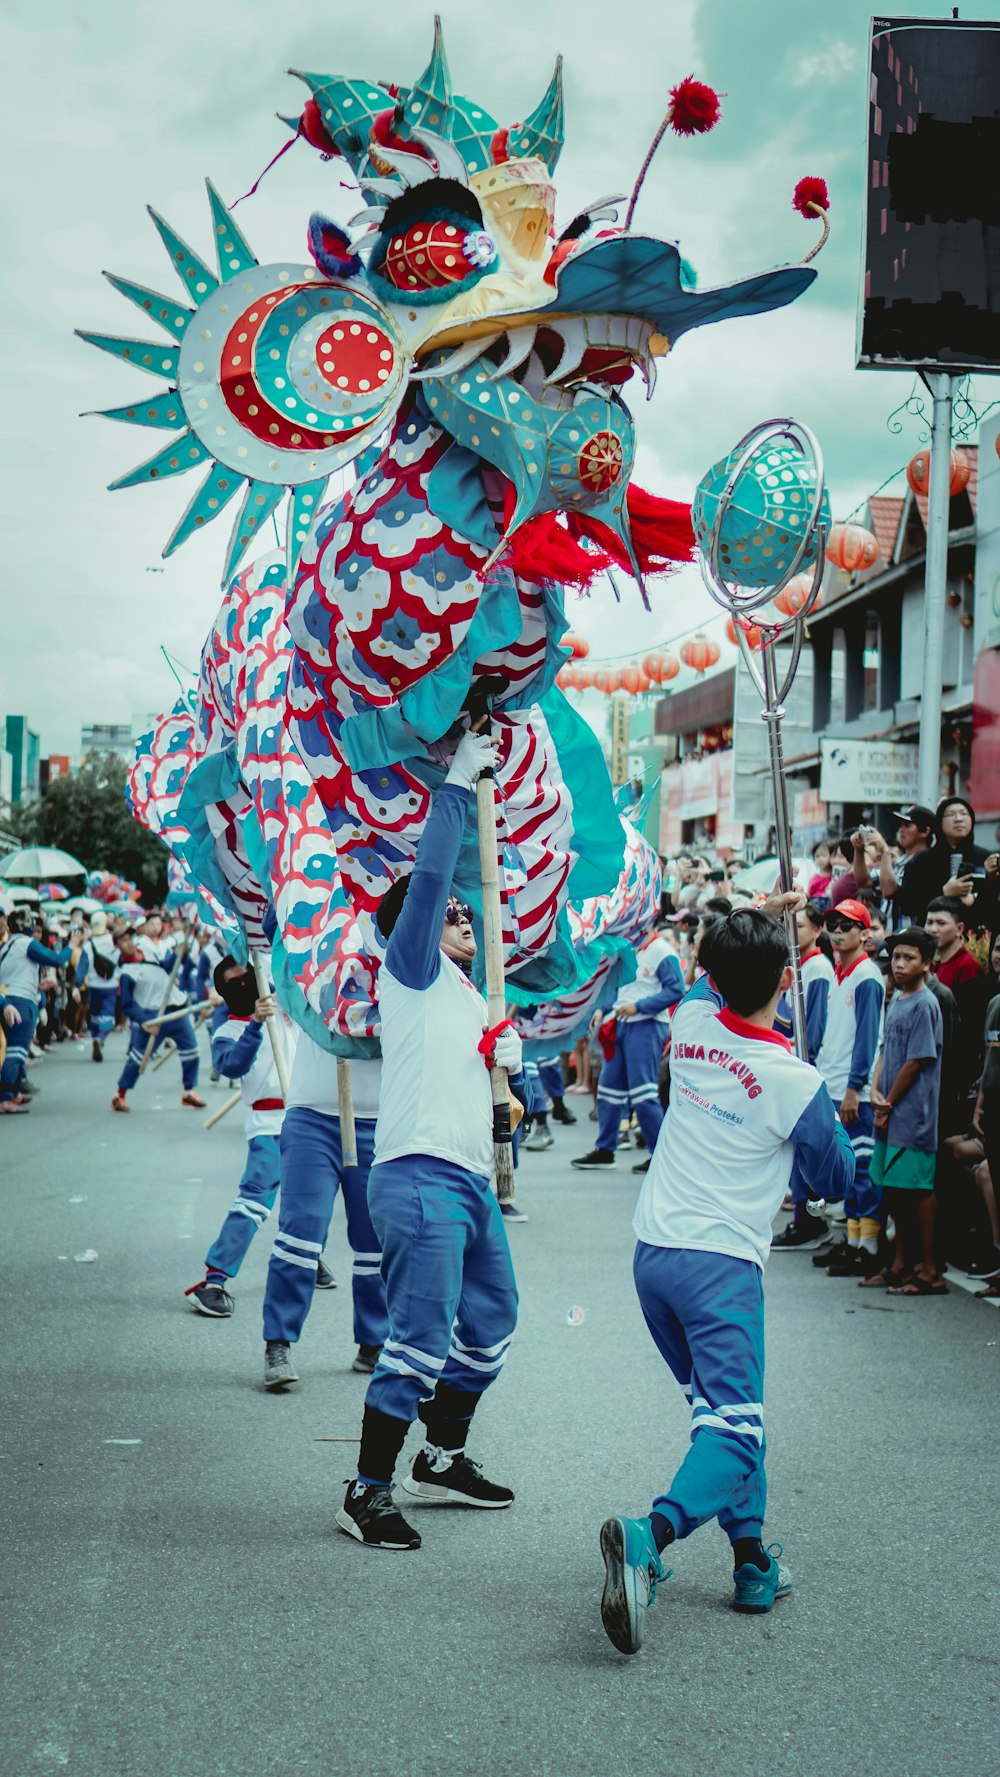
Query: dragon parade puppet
{"points": [[466, 353]]}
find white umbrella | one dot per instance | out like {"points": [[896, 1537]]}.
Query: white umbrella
{"points": [[763, 875], [37, 863], [82, 904], [19, 894]]}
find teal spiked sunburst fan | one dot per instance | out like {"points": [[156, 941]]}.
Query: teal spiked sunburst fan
{"points": [[279, 376]]}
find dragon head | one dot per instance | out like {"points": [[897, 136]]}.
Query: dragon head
{"points": [[452, 277]]}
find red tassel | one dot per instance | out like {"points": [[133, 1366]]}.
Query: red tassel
{"points": [[662, 533], [312, 127], [545, 549]]}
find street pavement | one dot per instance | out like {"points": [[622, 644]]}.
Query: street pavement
{"points": [[178, 1601]]}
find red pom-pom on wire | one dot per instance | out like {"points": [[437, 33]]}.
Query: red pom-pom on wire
{"points": [[810, 191], [694, 108]]}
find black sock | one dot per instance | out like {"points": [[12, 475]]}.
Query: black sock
{"points": [[663, 1530], [749, 1550], [448, 1415], [382, 1438]]}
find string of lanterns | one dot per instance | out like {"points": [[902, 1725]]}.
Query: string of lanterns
{"points": [[851, 548]]}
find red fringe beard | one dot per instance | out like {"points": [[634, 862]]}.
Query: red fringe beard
{"points": [[546, 549]]}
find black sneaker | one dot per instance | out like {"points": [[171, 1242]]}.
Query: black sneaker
{"points": [[831, 1255], [597, 1157], [325, 1279], [279, 1370], [211, 1299], [369, 1515], [643, 1165], [366, 1359], [851, 1264], [461, 1483], [96, 1050], [803, 1239], [560, 1114]]}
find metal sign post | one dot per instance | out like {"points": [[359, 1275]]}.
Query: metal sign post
{"points": [[935, 590]]}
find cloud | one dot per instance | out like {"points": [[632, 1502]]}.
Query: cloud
{"points": [[831, 63]]}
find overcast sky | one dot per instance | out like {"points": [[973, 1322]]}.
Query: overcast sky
{"points": [[115, 105]]}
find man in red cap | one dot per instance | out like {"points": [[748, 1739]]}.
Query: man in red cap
{"points": [[846, 1060]]}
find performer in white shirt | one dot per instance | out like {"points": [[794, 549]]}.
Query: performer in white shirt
{"points": [[741, 1105], [450, 1290]]}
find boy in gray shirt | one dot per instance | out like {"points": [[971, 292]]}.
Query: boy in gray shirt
{"points": [[906, 1088]]}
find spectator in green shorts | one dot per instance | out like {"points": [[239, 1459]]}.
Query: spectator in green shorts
{"points": [[906, 1087]]}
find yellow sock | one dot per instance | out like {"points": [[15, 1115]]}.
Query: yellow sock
{"points": [[853, 1231]]}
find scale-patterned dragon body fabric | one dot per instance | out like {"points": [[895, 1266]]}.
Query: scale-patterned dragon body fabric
{"points": [[605, 930], [471, 352]]}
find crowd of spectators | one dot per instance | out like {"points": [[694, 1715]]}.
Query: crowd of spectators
{"points": [[60, 978]]}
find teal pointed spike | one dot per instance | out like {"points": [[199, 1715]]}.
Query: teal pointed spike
{"points": [[428, 103], [184, 453], [542, 133], [259, 502], [215, 492], [170, 315], [231, 246], [348, 108], [157, 360], [302, 516], [192, 271], [165, 410]]}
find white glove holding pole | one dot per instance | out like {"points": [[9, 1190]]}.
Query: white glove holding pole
{"points": [[507, 1051], [474, 754]]}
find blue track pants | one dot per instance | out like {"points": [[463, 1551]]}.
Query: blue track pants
{"points": [[550, 1077], [101, 1010], [706, 1314], [449, 1281], [181, 1030], [14, 1071], [254, 1203], [629, 1082], [312, 1168]]}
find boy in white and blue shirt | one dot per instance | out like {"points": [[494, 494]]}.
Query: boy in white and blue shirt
{"points": [[742, 1106]]}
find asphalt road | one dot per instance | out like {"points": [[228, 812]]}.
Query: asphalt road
{"points": [[177, 1600]]}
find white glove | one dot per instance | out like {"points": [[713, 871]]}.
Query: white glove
{"points": [[474, 754], [507, 1051]]}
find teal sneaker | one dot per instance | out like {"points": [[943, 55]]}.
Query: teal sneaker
{"points": [[755, 1591], [634, 1570]]}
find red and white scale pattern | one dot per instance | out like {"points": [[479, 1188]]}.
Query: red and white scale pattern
{"points": [[627, 913], [159, 771], [385, 599], [242, 704]]}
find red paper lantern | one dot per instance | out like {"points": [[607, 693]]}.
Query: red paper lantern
{"points": [[918, 472], [700, 653], [601, 679], [750, 630], [566, 678], [792, 597], [579, 649], [671, 667], [584, 678], [634, 679], [615, 679], [852, 548]]}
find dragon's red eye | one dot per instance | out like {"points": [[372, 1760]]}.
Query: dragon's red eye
{"points": [[433, 255]]}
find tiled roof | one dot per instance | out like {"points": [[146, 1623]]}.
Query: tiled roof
{"points": [[886, 511]]}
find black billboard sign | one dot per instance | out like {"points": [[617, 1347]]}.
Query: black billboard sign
{"points": [[930, 297]]}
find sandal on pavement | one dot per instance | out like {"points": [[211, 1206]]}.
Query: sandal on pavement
{"points": [[990, 1293], [881, 1280], [918, 1286]]}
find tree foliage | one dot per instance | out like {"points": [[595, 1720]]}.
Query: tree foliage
{"points": [[86, 814]]}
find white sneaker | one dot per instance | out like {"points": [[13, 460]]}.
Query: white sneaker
{"points": [[538, 1139]]}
